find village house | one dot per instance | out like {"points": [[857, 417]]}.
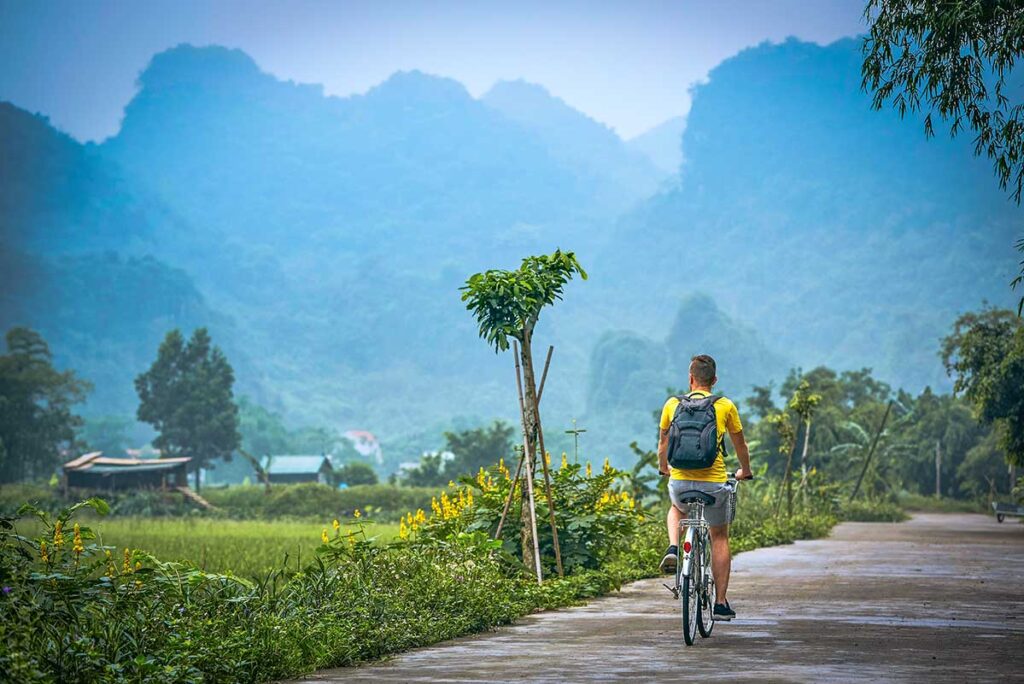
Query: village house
{"points": [[287, 469], [96, 471]]}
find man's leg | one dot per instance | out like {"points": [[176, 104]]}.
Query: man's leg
{"points": [[674, 516], [668, 563], [721, 561]]}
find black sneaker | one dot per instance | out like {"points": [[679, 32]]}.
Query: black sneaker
{"points": [[723, 612], [668, 563]]}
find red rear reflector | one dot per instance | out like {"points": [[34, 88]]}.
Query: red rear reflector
{"points": [[686, 547]]}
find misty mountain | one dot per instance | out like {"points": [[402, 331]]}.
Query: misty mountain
{"points": [[604, 163], [841, 234], [663, 144], [415, 170], [60, 196], [324, 240], [105, 315], [630, 374]]}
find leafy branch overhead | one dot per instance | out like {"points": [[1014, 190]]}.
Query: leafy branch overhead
{"points": [[507, 303], [953, 57]]}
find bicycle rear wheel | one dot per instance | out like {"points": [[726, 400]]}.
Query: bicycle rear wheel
{"points": [[706, 616], [689, 597]]}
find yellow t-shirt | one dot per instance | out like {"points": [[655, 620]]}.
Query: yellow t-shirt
{"points": [[728, 421]]}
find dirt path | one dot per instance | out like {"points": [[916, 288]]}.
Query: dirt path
{"points": [[938, 598]]}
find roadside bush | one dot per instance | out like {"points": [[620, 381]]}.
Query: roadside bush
{"points": [[594, 520], [931, 504], [873, 510]]}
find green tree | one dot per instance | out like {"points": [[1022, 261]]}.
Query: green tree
{"points": [[953, 59], [985, 356], [263, 432], [983, 470], [37, 424], [479, 448], [187, 396], [507, 304], [429, 473], [804, 404], [470, 450], [108, 434], [357, 473], [760, 402], [879, 476], [938, 421]]}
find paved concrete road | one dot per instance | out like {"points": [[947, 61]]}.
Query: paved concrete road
{"points": [[938, 598]]}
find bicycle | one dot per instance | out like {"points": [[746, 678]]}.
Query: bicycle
{"points": [[695, 583]]}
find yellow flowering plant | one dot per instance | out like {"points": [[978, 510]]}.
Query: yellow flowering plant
{"points": [[594, 517], [350, 539]]}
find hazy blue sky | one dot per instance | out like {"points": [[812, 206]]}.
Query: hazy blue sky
{"points": [[627, 64]]}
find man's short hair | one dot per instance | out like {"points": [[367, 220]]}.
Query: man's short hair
{"points": [[703, 369]]}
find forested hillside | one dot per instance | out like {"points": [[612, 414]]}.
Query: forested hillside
{"points": [[323, 240], [841, 234]]}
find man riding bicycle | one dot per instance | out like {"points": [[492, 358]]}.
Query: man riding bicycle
{"points": [[721, 416]]}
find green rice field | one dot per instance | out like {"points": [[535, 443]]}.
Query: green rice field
{"points": [[244, 547]]}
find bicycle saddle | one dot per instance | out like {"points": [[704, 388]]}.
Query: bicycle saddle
{"points": [[696, 496]]}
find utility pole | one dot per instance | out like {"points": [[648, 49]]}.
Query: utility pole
{"points": [[575, 432], [938, 469]]}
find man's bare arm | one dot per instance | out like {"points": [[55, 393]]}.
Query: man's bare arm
{"points": [[663, 452], [739, 442]]}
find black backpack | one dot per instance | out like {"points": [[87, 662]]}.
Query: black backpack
{"points": [[693, 440]]}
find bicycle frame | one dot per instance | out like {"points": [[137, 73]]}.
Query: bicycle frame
{"points": [[691, 524]]}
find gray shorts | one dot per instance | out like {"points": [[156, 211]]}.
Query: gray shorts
{"points": [[721, 513]]}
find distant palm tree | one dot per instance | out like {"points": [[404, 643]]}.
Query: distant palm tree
{"points": [[881, 473]]}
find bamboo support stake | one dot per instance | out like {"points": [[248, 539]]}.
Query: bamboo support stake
{"points": [[528, 454], [522, 456], [533, 519], [544, 377], [551, 500], [543, 453], [544, 462], [519, 465], [508, 499]]}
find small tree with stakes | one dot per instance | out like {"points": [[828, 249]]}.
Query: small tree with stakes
{"points": [[507, 304]]}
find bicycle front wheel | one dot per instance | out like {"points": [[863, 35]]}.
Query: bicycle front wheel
{"points": [[690, 600]]}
